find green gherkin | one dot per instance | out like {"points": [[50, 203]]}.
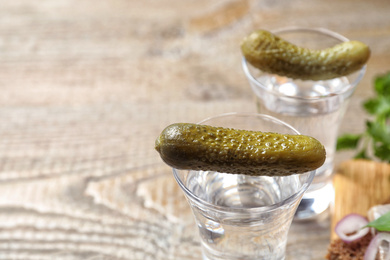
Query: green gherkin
{"points": [[272, 54], [208, 148]]}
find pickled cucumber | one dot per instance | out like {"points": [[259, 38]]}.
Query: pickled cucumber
{"points": [[209, 148], [272, 54]]}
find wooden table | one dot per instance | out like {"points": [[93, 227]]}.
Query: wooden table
{"points": [[86, 87]]}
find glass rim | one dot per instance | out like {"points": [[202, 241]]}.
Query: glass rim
{"points": [[319, 30], [261, 209], [252, 114]]}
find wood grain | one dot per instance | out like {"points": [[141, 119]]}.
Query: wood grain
{"points": [[87, 86]]}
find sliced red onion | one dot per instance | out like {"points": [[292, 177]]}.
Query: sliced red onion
{"points": [[376, 245], [350, 228]]}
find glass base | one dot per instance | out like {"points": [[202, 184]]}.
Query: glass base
{"points": [[205, 256], [315, 203]]}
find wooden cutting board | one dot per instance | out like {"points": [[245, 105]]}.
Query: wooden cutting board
{"points": [[359, 185]]}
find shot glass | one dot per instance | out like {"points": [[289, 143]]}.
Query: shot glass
{"points": [[241, 216], [314, 108]]}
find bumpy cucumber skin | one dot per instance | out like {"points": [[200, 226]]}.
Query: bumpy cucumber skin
{"points": [[208, 148], [272, 54]]}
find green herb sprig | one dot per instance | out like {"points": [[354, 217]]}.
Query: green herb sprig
{"points": [[377, 134], [382, 223]]}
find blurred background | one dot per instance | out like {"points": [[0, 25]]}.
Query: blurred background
{"points": [[87, 86]]}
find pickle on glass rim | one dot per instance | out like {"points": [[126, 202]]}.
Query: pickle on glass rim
{"points": [[272, 54], [208, 148]]}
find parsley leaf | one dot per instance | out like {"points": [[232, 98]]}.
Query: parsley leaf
{"points": [[382, 85], [377, 133], [361, 155], [382, 223], [382, 152], [380, 105], [348, 141]]}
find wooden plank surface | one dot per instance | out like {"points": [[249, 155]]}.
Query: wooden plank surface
{"points": [[86, 87]]}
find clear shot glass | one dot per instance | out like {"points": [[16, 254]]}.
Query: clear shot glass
{"points": [[314, 108], [241, 216]]}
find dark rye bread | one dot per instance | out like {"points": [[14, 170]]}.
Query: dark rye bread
{"points": [[339, 250]]}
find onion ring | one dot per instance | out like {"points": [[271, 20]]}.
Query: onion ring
{"points": [[375, 245], [351, 227]]}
